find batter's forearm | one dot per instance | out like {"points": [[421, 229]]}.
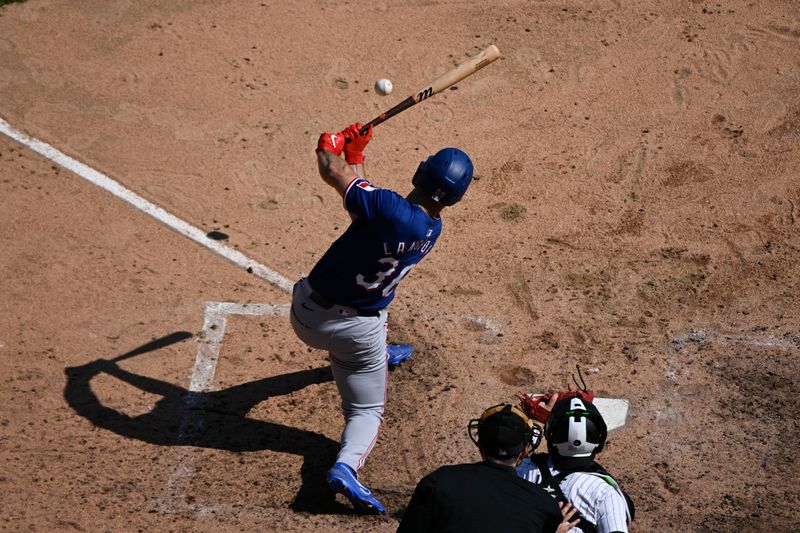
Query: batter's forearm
{"points": [[334, 171]]}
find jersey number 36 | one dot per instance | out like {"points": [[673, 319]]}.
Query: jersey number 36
{"points": [[383, 279]]}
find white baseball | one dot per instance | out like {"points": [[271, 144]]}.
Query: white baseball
{"points": [[383, 87]]}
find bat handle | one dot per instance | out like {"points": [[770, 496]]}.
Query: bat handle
{"points": [[365, 128], [386, 115], [374, 122]]}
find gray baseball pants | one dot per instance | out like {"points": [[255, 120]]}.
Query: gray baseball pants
{"points": [[357, 351]]}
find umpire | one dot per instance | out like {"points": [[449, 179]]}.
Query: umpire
{"points": [[485, 496]]}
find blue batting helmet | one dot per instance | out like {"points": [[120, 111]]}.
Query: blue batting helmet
{"points": [[445, 176]]}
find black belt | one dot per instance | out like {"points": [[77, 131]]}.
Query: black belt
{"points": [[327, 304]]}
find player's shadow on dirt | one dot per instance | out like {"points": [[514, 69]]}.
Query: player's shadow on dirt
{"points": [[216, 419]]}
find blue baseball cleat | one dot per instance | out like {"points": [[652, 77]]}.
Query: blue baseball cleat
{"points": [[342, 479], [397, 353]]}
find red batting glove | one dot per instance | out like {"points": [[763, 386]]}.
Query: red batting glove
{"points": [[331, 142], [355, 144]]}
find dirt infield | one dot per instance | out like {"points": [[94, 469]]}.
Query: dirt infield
{"points": [[637, 212]]}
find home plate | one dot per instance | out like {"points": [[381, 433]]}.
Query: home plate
{"points": [[614, 411]]}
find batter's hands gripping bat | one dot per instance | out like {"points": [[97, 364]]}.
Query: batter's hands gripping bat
{"points": [[471, 66]]}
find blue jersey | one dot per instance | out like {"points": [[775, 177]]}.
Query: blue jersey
{"points": [[388, 236]]}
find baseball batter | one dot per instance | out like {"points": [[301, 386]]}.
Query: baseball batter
{"points": [[341, 306]]}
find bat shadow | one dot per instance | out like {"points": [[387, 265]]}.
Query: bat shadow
{"points": [[215, 419]]}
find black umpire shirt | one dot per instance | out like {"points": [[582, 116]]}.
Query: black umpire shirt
{"points": [[480, 497]]}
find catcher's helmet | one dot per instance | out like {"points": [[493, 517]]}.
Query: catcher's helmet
{"points": [[445, 176], [575, 432], [503, 431]]}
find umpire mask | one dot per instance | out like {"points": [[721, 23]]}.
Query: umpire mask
{"points": [[503, 431]]}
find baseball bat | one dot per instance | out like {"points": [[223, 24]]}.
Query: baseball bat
{"points": [[471, 66]]}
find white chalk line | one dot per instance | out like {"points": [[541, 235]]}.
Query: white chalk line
{"points": [[706, 335], [192, 416], [115, 188]]}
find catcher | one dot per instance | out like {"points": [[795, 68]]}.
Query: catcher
{"points": [[576, 433]]}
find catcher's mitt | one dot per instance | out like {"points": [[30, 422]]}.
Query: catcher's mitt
{"points": [[536, 405]]}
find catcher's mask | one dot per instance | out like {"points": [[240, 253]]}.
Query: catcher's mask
{"points": [[503, 431], [575, 432]]}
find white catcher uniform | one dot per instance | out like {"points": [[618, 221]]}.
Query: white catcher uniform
{"points": [[592, 494]]}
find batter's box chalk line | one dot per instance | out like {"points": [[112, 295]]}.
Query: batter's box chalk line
{"points": [[697, 336], [174, 499]]}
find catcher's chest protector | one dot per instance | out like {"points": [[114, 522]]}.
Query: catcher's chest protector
{"points": [[552, 484]]}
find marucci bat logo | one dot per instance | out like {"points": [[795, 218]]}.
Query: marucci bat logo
{"points": [[425, 94]]}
